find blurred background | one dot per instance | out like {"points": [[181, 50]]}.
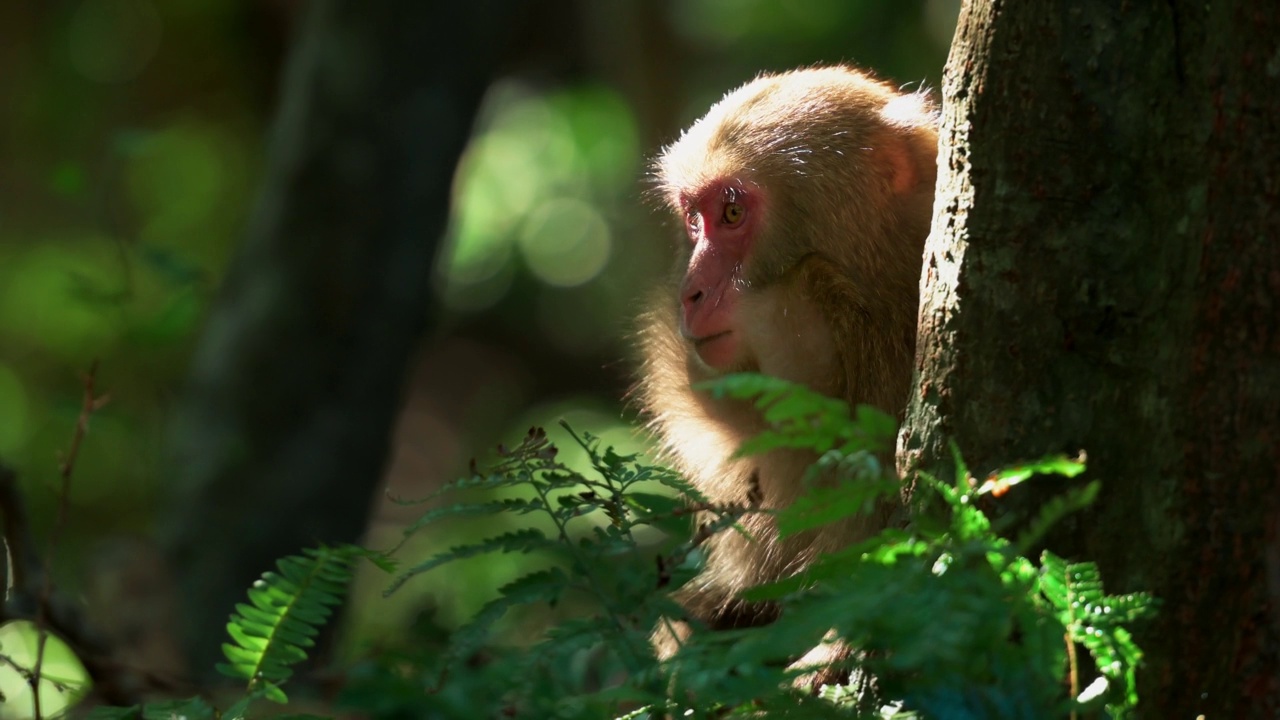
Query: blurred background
{"points": [[141, 189]]}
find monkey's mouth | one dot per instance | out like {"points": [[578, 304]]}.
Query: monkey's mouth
{"points": [[702, 341], [718, 350]]}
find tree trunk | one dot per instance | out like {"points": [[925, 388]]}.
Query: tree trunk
{"points": [[1104, 274], [285, 427]]}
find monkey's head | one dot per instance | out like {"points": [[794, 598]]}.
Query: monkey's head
{"points": [[820, 163]]}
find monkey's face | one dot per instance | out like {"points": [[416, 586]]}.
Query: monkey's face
{"points": [[808, 166], [722, 221]]}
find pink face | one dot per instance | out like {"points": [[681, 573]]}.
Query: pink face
{"points": [[721, 221]]}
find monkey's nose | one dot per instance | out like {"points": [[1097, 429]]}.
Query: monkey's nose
{"points": [[692, 298]]}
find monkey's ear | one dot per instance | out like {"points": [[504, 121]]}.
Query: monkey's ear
{"points": [[910, 136], [897, 162], [908, 112]]}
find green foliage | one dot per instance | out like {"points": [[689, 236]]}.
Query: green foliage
{"points": [[950, 620], [598, 522], [1096, 621], [288, 609], [63, 680], [802, 419], [270, 634]]}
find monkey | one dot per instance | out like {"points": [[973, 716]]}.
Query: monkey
{"points": [[805, 198]]}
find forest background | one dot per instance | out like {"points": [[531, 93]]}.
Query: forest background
{"points": [[135, 147]]}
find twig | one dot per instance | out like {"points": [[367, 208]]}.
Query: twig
{"points": [[90, 404], [1073, 670]]}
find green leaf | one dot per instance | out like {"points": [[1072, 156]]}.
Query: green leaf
{"points": [[62, 682], [517, 506], [285, 613], [1048, 465], [536, 587], [653, 503], [518, 541], [824, 505], [1096, 621], [1053, 511]]}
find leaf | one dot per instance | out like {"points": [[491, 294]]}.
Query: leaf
{"points": [[518, 506], [286, 611], [517, 541], [962, 478], [998, 482], [1095, 620], [654, 503], [824, 505], [63, 680], [875, 423], [536, 587], [800, 418], [1053, 511]]}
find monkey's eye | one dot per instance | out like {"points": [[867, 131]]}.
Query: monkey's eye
{"points": [[694, 221], [733, 213]]}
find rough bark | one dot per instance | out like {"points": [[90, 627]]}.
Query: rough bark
{"points": [[285, 426], [1104, 274]]}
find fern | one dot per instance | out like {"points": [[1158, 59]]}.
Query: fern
{"points": [[953, 621], [594, 518], [1053, 511], [286, 610], [522, 541], [941, 603], [1096, 621], [546, 586], [800, 418]]}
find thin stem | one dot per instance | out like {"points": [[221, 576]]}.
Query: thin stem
{"points": [[90, 404], [1073, 670]]}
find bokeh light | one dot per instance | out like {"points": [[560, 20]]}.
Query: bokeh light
{"points": [[565, 241], [63, 679], [533, 178], [52, 296], [177, 178], [112, 41], [13, 410]]}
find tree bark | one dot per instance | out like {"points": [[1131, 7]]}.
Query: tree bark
{"points": [[284, 430], [1104, 274]]}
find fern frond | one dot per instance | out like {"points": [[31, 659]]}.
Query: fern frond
{"points": [[673, 480], [962, 479], [1053, 511], [492, 481], [1095, 620], [287, 610], [820, 506], [1007, 477], [517, 541], [967, 521], [536, 587], [515, 506], [798, 417]]}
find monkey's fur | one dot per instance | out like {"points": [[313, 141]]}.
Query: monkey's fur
{"points": [[826, 294]]}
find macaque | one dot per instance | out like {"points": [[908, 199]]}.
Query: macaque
{"points": [[805, 198]]}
